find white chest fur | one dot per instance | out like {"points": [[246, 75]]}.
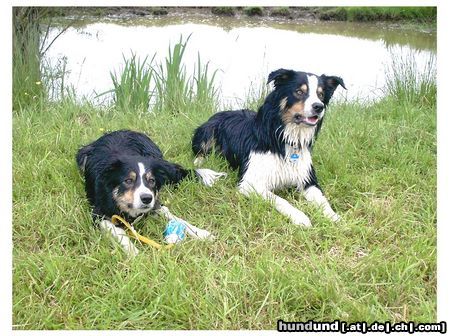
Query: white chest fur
{"points": [[269, 171]]}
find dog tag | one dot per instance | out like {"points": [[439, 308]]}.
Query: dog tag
{"points": [[294, 157]]}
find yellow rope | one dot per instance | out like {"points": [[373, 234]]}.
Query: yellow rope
{"points": [[132, 232]]}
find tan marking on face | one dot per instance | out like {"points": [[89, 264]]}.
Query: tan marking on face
{"points": [[298, 107], [304, 88], [148, 177], [123, 200], [132, 175], [288, 115], [320, 92]]}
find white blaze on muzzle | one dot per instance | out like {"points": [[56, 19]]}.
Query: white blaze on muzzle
{"points": [[141, 192], [313, 98]]}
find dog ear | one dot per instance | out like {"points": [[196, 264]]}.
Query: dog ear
{"points": [[333, 81], [111, 170], [113, 164], [280, 76]]}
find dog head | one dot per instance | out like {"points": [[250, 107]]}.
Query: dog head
{"points": [[302, 97], [133, 182]]}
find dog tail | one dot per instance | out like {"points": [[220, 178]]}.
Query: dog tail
{"points": [[172, 173], [82, 157], [203, 141]]}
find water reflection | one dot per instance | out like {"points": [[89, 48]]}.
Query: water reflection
{"points": [[244, 55]]}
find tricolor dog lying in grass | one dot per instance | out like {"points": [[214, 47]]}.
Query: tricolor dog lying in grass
{"points": [[272, 147], [124, 171]]}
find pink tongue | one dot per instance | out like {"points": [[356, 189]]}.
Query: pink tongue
{"points": [[312, 119]]}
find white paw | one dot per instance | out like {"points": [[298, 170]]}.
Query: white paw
{"points": [[329, 213], [204, 234], [208, 176], [299, 218], [335, 217], [197, 233]]}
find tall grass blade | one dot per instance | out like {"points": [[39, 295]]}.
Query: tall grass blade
{"points": [[132, 84], [410, 82], [172, 87]]}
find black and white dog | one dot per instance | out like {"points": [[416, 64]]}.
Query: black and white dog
{"points": [[272, 148], [124, 171]]}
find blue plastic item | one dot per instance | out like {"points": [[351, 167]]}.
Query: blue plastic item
{"points": [[174, 232]]}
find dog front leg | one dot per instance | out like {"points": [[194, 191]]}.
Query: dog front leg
{"points": [[314, 195], [120, 235], [191, 230], [283, 206]]}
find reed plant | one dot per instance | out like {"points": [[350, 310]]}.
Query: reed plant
{"points": [[172, 85], [132, 84], [410, 83], [206, 92], [27, 80]]}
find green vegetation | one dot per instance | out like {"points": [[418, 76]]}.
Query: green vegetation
{"points": [[280, 11], [132, 85], [28, 50], [173, 89], [254, 11], [223, 11], [27, 78], [420, 14], [376, 162], [409, 84], [176, 92], [159, 11]]}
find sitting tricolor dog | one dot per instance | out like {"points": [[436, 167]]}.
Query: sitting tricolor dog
{"points": [[124, 171], [272, 147]]}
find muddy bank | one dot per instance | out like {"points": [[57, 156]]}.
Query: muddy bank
{"points": [[425, 16]]}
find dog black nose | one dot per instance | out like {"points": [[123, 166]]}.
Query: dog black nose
{"points": [[146, 198], [317, 107]]}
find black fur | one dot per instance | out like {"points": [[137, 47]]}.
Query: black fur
{"points": [[235, 134], [107, 161]]}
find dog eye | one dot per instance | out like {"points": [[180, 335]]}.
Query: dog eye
{"points": [[128, 181], [151, 180], [299, 92], [320, 95]]}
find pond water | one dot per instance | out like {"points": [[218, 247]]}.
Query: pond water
{"points": [[243, 51]]}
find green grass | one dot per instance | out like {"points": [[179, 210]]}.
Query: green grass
{"points": [[132, 84], [410, 84], [376, 163], [419, 14], [179, 93], [143, 86], [27, 78]]}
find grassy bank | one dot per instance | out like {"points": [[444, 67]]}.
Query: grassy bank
{"points": [[363, 14], [377, 164]]}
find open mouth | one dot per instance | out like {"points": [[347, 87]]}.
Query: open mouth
{"points": [[311, 121]]}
